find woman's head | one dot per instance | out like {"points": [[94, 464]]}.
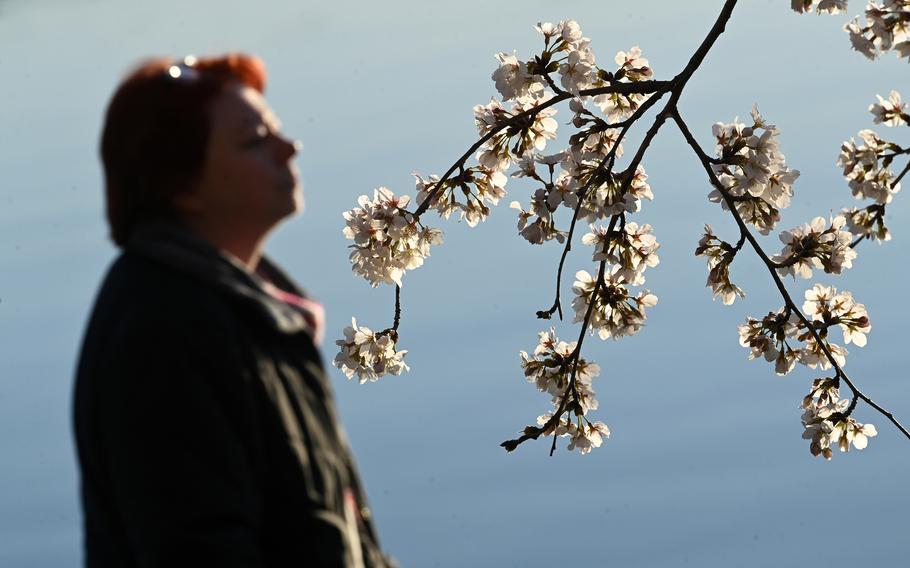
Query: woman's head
{"points": [[195, 139]]}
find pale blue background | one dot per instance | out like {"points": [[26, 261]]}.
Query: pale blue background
{"points": [[706, 466]]}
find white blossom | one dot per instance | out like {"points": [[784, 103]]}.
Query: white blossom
{"points": [[825, 305], [720, 255], [890, 111], [616, 312], [542, 228], [866, 177], [387, 239], [816, 246], [769, 338], [514, 81], [577, 72], [868, 222], [753, 171], [368, 355], [542, 128], [633, 249]]}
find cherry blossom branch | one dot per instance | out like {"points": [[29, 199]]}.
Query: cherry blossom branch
{"points": [[639, 87], [770, 265], [676, 87], [534, 432], [611, 158]]}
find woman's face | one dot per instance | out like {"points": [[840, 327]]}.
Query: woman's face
{"points": [[248, 182]]}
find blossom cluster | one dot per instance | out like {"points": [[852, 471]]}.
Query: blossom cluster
{"points": [[887, 25], [782, 337], [480, 187], [518, 134], [752, 170], [867, 168], [387, 239], [515, 129], [720, 255], [886, 28], [631, 249], [816, 245], [616, 312], [823, 304], [550, 369], [369, 355], [827, 423]]}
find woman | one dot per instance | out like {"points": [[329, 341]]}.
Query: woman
{"points": [[205, 425]]}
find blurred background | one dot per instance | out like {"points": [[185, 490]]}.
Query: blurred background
{"points": [[706, 466]]}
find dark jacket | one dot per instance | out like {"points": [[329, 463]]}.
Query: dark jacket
{"points": [[205, 425]]}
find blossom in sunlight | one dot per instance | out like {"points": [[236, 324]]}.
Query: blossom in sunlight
{"points": [[578, 71], [487, 117], [550, 366], [887, 27], [543, 227], [542, 127], [368, 355], [606, 194], [587, 437], [514, 81], [769, 338], [825, 305], [868, 222], [813, 354], [571, 31], [633, 249], [387, 239], [480, 187], [816, 246], [753, 170], [633, 65], [550, 369], [582, 437], [616, 312], [867, 178], [890, 111], [849, 431], [860, 40], [827, 422], [720, 255]]}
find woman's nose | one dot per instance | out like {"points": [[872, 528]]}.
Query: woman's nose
{"points": [[287, 148]]}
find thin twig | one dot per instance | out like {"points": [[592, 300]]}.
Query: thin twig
{"points": [[397, 308]]}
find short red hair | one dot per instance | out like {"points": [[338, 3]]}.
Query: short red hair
{"points": [[156, 131]]}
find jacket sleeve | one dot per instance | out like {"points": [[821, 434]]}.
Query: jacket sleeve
{"points": [[176, 422]]}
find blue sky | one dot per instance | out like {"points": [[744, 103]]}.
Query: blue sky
{"points": [[705, 466]]}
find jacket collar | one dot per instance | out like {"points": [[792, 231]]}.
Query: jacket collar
{"points": [[172, 243]]}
